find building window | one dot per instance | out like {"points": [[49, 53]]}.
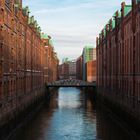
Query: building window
{"points": [[8, 3], [1, 15]]}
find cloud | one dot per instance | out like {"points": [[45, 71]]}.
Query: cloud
{"points": [[84, 5], [73, 23], [69, 51]]}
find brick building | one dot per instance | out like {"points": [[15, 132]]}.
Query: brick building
{"points": [[118, 58], [72, 69], [67, 70], [79, 64], [64, 71], [22, 59], [51, 60], [89, 53], [91, 71], [86, 65]]}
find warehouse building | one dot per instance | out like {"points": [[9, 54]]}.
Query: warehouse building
{"points": [[118, 58]]}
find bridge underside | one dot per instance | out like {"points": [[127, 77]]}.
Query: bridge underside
{"points": [[71, 83], [70, 86]]}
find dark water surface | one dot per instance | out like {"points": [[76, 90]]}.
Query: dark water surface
{"points": [[72, 116]]}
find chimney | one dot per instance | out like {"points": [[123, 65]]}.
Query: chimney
{"points": [[138, 1], [97, 40], [122, 9], [110, 25], [117, 13], [103, 34], [49, 37], [116, 18], [134, 4]]}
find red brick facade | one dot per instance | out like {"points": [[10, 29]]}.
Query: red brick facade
{"points": [[22, 58], [79, 64], [51, 62], [91, 71], [64, 71], [118, 58]]}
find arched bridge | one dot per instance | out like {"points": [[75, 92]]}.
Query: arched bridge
{"points": [[71, 83]]}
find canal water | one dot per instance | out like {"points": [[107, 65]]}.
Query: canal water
{"points": [[71, 115]]}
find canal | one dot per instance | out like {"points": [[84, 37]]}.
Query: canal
{"points": [[71, 115]]}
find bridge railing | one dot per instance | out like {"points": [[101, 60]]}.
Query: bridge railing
{"points": [[71, 82]]}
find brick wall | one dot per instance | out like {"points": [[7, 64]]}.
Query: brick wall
{"points": [[91, 71], [118, 59], [22, 59]]}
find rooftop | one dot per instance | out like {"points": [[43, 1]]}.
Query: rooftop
{"points": [[112, 23], [44, 36], [89, 47]]}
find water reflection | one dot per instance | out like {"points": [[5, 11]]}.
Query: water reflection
{"points": [[68, 100], [69, 121], [72, 116]]}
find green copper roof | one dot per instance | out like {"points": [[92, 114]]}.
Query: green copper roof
{"points": [[31, 20], [127, 9], [25, 10], [51, 42], [35, 24], [39, 29], [104, 31], [113, 23], [89, 46], [137, 1], [44, 36], [119, 14], [87, 53]]}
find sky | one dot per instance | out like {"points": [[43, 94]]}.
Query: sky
{"points": [[72, 24]]}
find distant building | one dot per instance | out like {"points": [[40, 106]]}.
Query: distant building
{"points": [[63, 71], [60, 72], [89, 54], [91, 71], [79, 64], [51, 61], [67, 69], [65, 60], [72, 69]]}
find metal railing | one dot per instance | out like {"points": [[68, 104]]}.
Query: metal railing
{"points": [[70, 82]]}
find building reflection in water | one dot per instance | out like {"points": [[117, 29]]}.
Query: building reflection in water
{"points": [[72, 115]]}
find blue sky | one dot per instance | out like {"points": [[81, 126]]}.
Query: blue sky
{"points": [[72, 23]]}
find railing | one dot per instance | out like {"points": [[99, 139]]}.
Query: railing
{"points": [[69, 82]]}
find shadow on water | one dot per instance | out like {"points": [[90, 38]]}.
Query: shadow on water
{"points": [[72, 115]]}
